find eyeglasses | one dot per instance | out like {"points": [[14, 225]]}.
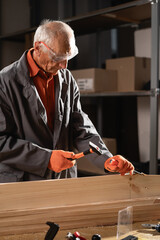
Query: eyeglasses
{"points": [[60, 58]]}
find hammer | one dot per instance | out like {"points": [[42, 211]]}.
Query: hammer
{"points": [[93, 148]]}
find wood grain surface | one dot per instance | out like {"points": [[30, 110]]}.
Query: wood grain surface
{"points": [[74, 203]]}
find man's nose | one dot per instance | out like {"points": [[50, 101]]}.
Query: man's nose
{"points": [[63, 64]]}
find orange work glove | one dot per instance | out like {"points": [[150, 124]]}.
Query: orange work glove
{"points": [[119, 164], [59, 160]]}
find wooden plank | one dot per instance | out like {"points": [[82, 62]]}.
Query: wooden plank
{"points": [[66, 217], [45, 194], [99, 214], [25, 207], [144, 186]]}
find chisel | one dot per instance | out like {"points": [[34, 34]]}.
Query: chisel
{"points": [[115, 162], [152, 226]]}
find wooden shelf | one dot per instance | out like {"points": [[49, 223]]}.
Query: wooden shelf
{"points": [[112, 17], [117, 94], [18, 36], [136, 12]]}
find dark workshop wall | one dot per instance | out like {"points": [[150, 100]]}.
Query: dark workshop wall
{"points": [[94, 49]]}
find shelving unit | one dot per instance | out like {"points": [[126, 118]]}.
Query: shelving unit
{"points": [[96, 99], [136, 12], [139, 13]]}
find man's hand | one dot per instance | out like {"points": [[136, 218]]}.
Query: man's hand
{"points": [[59, 160], [119, 164]]}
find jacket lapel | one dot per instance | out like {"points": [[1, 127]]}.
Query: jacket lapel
{"points": [[31, 94], [60, 96], [30, 91]]}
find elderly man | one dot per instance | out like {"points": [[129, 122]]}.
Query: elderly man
{"points": [[41, 120]]}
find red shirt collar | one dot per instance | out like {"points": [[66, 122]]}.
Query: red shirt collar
{"points": [[33, 68]]}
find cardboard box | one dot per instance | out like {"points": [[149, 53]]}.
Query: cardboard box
{"points": [[95, 80], [111, 144], [142, 44], [132, 72]]}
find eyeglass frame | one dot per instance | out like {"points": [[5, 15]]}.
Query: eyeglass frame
{"points": [[60, 58]]}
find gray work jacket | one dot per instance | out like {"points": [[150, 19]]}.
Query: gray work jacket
{"points": [[26, 142]]}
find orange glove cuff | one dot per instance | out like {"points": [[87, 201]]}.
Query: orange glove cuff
{"points": [[59, 160]]}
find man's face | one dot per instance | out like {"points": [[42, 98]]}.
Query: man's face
{"points": [[53, 58]]}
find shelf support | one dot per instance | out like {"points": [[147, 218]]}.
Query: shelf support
{"points": [[155, 8]]}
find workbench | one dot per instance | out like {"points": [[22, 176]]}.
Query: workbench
{"points": [[89, 205], [106, 232]]}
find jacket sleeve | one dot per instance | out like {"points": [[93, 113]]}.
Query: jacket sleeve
{"points": [[84, 131], [18, 153]]}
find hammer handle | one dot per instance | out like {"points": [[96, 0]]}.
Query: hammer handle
{"points": [[82, 154]]}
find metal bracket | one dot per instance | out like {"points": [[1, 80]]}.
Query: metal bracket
{"points": [[155, 92], [155, 1]]}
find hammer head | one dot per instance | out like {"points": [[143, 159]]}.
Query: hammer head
{"points": [[95, 148]]}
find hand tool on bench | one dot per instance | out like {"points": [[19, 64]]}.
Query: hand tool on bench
{"points": [[77, 236], [152, 226], [74, 236], [130, 237], [52, 230]]}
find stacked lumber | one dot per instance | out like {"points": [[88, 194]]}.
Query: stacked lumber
{"points": [[72, 203]]}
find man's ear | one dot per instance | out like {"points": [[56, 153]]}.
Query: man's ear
{"points": [[37, 48]]}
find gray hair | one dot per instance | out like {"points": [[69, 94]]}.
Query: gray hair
{"points": [[49, 29]]}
